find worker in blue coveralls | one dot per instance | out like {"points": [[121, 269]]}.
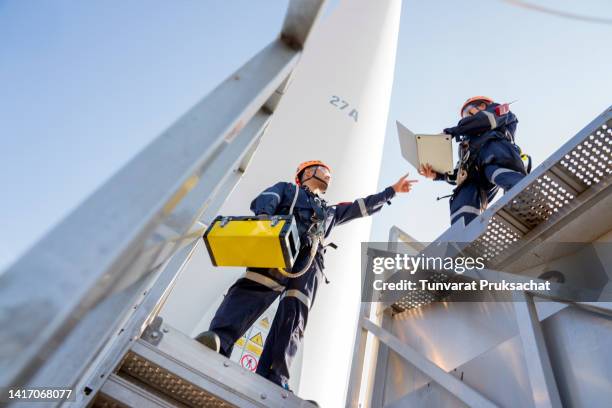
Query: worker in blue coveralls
{"points": [[488, 157], [252, 294]]}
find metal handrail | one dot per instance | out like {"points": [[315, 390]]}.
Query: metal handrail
{"points": [[98, 259]]}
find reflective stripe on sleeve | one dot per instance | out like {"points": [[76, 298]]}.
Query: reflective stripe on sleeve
{"points": [[362, 207], [491, 118]]}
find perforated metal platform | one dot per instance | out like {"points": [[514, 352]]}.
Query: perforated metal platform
{"points": [[118, 392], [418, 298], [556, 195], [168, 383], [167, 368], [552, 194]]}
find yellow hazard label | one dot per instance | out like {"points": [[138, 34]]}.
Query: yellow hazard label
{"points": [[240, 342], [257, 339], [253, 348], [265, 323]]}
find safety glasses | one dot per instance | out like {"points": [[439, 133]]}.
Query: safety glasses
{"points": [[467, 111], [321, 171]]}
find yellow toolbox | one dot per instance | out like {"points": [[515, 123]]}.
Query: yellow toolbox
{"points": [[256, 241]]}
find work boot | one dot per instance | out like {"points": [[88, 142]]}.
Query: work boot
{"points": [[210, 339]]}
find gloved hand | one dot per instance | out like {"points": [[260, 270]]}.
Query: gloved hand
{"points": [[448, 131], [451, 131]]}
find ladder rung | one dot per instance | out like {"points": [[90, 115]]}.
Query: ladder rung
{"points": [[118, 392]]}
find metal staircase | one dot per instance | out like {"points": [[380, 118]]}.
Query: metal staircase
{"points": [[74, 307], [166, 368], [432, 343]]}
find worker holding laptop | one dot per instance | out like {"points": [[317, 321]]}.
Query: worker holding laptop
{"points": [[488, 157]]}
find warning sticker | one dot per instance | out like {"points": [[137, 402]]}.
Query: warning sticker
{"points": [[265, 323], [252, 342], [257, 339], [241, 341], [253, 348], [249, 362]]}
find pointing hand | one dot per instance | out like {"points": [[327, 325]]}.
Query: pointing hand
{"points": [[403, 185]]}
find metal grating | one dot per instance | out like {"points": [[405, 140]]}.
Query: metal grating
{"points": [[499, 237], [591, 161], [587, 164], [170, 384], [539, 202], [418, 298]]}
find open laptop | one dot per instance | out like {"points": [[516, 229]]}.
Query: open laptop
{"points": [[419, 149]]}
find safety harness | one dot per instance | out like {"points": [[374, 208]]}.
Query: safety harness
{"points": [[469, 149], [316, 234]]}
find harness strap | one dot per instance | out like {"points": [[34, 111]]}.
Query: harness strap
{"points": [[264, 280], [295, 196]]}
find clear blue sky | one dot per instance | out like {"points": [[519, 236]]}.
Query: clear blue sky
{"points": [[86, 85]]}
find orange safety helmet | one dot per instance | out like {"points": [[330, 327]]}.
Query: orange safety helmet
{"points": [[473, 99], [303, 166]]}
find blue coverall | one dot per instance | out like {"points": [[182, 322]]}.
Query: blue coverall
{"points": [[492, 161], [251, 295]]}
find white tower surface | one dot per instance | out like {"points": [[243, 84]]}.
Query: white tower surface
{"points": [[336, 111]]}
